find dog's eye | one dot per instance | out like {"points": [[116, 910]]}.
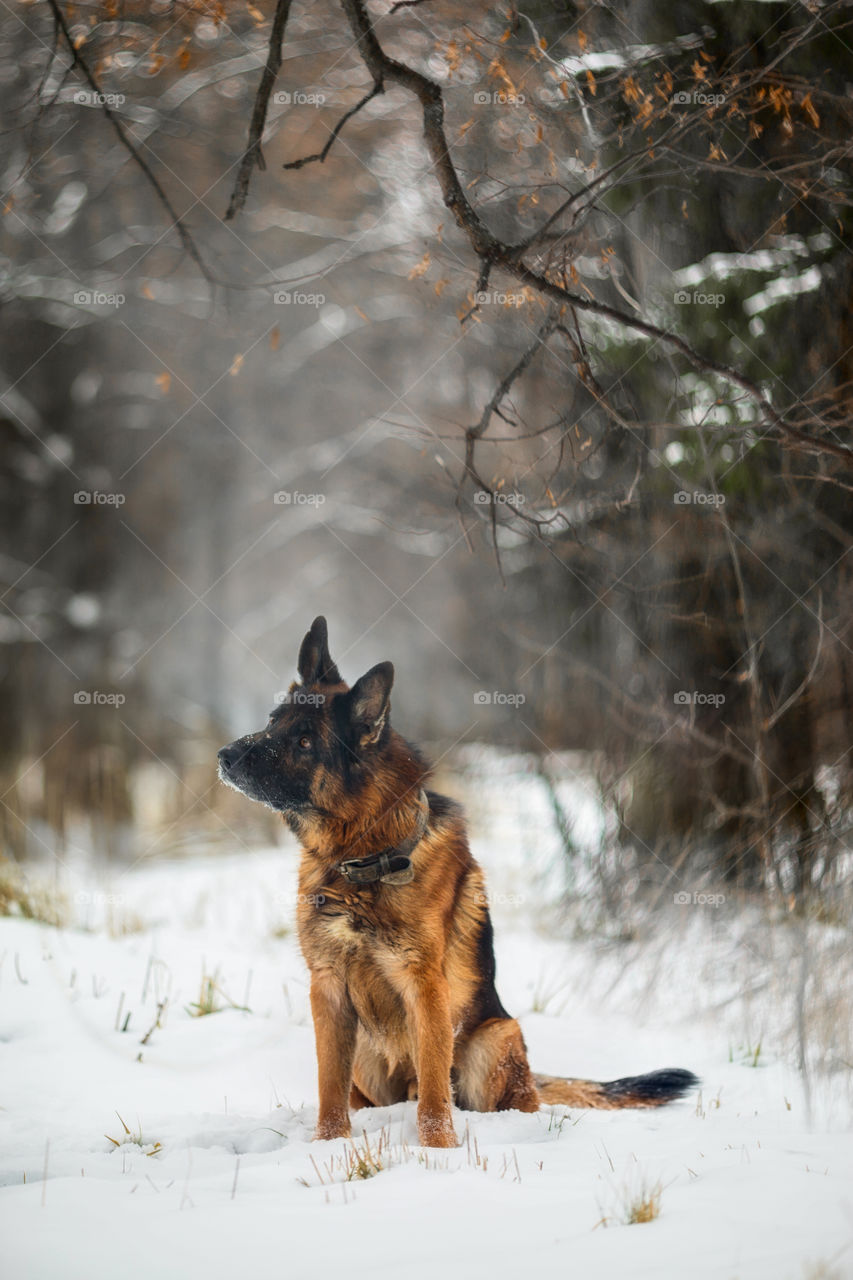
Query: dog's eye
{"points": [[305, 742]]}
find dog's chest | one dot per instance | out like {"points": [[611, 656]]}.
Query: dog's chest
{"points": [[346, 929], [353, 939], [334, 919]]}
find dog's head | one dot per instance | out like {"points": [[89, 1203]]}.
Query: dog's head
{"points": [[318, 739]]}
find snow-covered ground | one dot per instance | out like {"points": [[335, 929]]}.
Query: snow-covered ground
{"points": [[218, 1175]]}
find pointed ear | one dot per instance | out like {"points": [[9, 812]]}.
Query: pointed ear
{"points": [[315, 662], [370, 702]]}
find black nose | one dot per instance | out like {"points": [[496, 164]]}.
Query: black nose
{"points": [[229, 756]]}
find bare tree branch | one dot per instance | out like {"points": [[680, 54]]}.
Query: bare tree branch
{"points": [[348, 115], [253, 155], [79, 61], [801, 688], [405, 4], [509, 258], [505, 385]]}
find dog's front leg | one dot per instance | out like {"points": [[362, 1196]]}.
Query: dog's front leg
{"points": [[335, 1025], [428, 1002]]}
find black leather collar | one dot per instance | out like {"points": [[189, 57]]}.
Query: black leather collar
{"points": [[392, 865]]}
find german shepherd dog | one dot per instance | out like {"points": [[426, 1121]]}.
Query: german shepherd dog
{"points": [[393, 917]]}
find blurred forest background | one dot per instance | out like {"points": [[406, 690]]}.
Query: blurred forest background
{"points": [[574, 430]]}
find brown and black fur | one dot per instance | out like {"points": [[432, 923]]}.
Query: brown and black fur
{"points": [[402, 975]]}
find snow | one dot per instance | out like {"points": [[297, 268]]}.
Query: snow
{"points": [[626, 56], [223, 1176], [722, 266], [783, 287]]}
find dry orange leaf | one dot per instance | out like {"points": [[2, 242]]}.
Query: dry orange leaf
{"points": [[499, 71], [421, 268], [809, 108]]}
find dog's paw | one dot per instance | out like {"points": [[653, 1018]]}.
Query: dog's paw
{"points": [[335, 1124], [437, 1131]]}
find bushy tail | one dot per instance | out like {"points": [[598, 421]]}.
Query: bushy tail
{"points": [[651, 1090]]}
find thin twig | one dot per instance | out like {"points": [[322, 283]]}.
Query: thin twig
{"points": [[253, 154], [320, 156], [405, 4], [125, 140], [509, 258], [777, 715]]}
